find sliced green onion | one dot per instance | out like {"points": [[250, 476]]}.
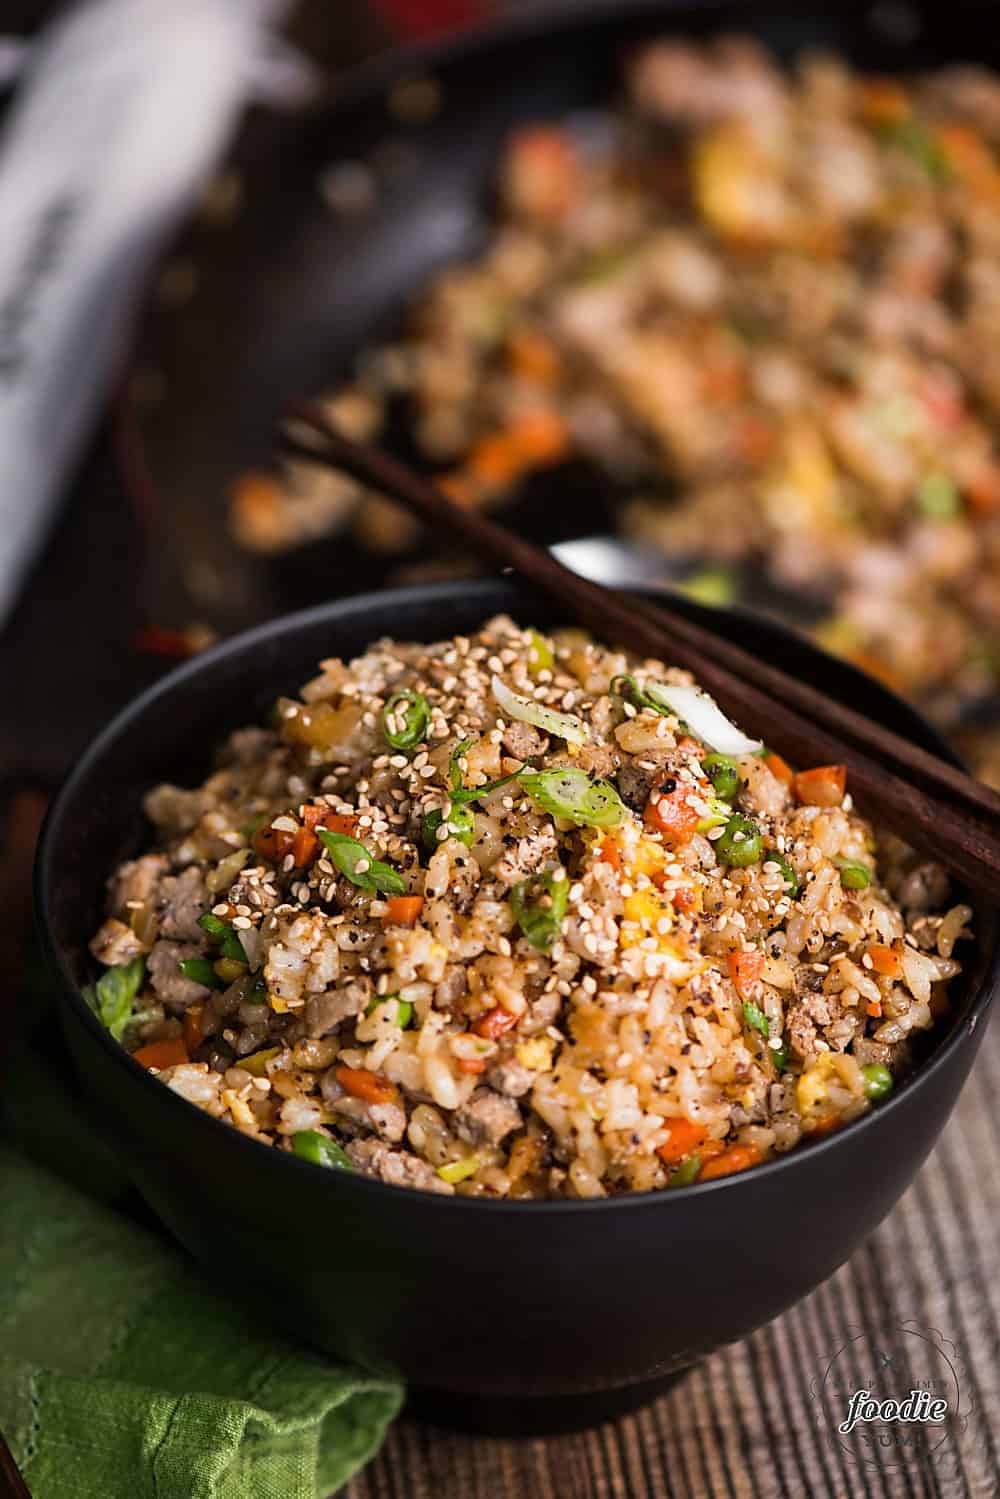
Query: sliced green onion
{"points": [[918, 143], [201, 971], [249, 830], [111, 998], [222, 931], [348, 855], [564, 725], [779, 1056], [457, 1171], [718, 814], [540, 657], [756, 1019], [461, 794], [461, 824], [404, 1009], [788, 875], [703, 717], [853, 876], [405, 718], [572, 794], [631, 691], [878, 1081], [256, 1062], [937, 496], [724, 775], [686, 1172], [740, 844], [321, 1150], [539, 906]]}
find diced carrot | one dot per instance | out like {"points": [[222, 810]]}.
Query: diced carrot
{"points": [[982, 490], [684, 899], [403, 910], [683, 1138], [823, 786], [755, 441], [341, 822], [257, 500], [493, 1024], [160, 1054], [539, 438], [943, 397], [745, 969], [304, 848], [970, 158], [472, 1064], [886, 960], [532, 357], [273, 843], [826, 1125], [542, 172], [876, 667], [711, 1149], [672, 814], [734, 1158], [723, 380], [312, 815], [779, 767], [610, 853], [192, 1025], [874, 1008], [882, 101], [460, 487], [360, 1083], [692, 746], [495, 460]]}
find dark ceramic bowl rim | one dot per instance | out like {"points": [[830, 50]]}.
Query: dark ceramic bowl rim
{"points": [[439, 594]]}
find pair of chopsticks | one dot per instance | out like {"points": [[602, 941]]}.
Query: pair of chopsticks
{"points": [[926, 801]]}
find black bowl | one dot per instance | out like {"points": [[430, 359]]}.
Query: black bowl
{"points": [[571, 1310]]}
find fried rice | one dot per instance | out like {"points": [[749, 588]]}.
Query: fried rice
{"points": [[765, 302], [497, 916]]}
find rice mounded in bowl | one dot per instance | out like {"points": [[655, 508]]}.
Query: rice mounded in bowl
{"points": [[516, 915]]}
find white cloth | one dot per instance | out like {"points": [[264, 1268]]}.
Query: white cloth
{"points": [[122, 109]]}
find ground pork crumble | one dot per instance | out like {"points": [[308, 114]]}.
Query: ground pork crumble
{"points": [[487, 917]]}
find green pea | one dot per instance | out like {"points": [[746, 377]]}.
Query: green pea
{"points": [[878, 1081], [788, 875], [938, 497], [723, 774], [686, 1172], [854, 876], [321, 1150], [461, 825], [740, 844]]}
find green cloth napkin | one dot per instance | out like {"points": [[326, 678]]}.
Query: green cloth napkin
{"points": [[121, 1372]]}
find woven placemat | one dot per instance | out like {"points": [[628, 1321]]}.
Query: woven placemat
{"points": [[759, 1420]]}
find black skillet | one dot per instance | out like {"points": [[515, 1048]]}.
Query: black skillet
{"points": [[286, 296]]}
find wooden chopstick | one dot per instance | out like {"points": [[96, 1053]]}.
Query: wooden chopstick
{"points": [[928, 802]]}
